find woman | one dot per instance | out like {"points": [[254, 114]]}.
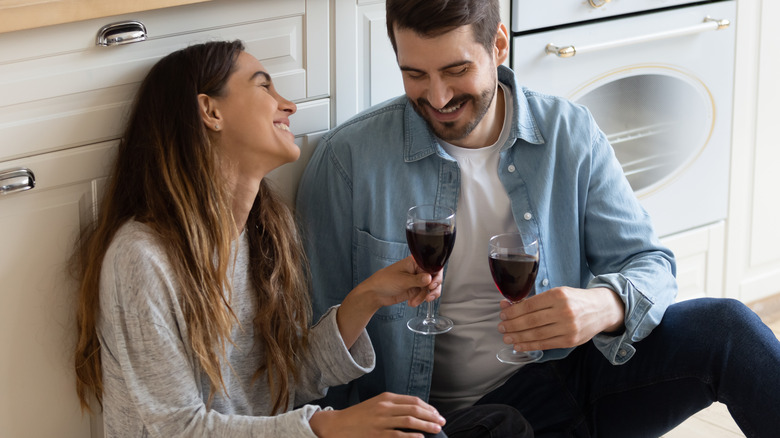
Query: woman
{"points": [[193, 314]]}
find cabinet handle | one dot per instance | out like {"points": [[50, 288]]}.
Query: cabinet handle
{"points": [[16, 180], [123, 32], [598, 3], [571, 50]]}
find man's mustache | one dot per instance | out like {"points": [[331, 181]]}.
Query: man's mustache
{"points": [[455, 101]]}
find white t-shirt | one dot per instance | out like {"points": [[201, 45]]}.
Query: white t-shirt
{"points": [[465, 364]]}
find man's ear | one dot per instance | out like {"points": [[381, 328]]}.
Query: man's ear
{"points": [[209, 112], [501, 49]]}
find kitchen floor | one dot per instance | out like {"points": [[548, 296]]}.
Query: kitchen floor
{"points": [[715, 421]]}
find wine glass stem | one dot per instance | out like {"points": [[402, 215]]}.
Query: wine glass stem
{"points": [[429, 316]]}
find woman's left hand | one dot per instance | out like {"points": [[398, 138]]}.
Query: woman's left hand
{"points": [[402, 281], [399, 282]]}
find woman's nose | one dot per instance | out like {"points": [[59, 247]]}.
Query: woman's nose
{"points": [[286, 105]]}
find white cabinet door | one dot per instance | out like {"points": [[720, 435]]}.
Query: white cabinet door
{"points": [[366, 68], [37, 301], [753, 246], [699, 256]]}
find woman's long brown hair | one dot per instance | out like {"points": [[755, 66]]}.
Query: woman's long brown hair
{"points": [[167, 175]]}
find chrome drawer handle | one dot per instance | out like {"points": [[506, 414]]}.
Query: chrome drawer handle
{"points": [[123, 32], [570, 50], [598, 3], [16, 180]]}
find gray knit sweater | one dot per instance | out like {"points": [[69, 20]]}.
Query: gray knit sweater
{"points": [[153, 384]]}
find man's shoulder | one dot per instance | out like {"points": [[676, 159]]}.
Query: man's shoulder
{"points": [[549, 103], [388, 115]]}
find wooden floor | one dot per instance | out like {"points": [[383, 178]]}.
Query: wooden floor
{"points": [[715, 421]]}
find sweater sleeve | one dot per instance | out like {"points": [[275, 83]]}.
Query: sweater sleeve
{"points": [[329, 363], [151, 378]]}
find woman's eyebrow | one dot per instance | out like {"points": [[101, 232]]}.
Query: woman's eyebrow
{"points": [[260, 73]]}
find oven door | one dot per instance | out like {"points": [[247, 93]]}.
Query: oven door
{"points": [[659, 85], [528, 14]]}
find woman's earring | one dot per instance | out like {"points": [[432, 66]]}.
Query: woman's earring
{"points": [[216, 127]]}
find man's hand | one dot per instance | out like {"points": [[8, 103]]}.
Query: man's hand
{"points": [[562, 317]]}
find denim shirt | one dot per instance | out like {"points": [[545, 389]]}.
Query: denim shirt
{"points": [[563, 180]]}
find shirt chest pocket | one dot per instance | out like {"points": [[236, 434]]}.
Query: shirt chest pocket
{"points": [[369, 255]]}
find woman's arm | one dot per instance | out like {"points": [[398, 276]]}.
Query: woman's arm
{"points": [[399, 282]]}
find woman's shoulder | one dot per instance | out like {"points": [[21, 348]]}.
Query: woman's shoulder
{"points": [[134, 240], [136, 266]]}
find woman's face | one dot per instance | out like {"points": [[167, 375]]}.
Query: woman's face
{"points": [[254, 124]]}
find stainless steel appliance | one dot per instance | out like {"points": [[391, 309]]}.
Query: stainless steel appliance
{"points": [[658, 77]]}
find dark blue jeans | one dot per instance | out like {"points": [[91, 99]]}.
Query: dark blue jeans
{"points": [[704, 350], [484, 421]]}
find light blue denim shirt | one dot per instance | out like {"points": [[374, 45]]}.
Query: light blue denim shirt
{"points": [[562, 178]]}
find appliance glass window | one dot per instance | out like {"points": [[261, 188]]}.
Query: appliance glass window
{"points": [[657, 123]]}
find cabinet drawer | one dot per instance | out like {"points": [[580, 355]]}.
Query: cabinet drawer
{"points": [[58, 89]]}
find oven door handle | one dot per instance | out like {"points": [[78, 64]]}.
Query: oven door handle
{"points": [[571, 50]]}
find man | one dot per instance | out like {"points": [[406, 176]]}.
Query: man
{"points": [[467, 136]]}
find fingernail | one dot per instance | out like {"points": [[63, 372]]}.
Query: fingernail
{"points": [[502, 315], [501, 328]]}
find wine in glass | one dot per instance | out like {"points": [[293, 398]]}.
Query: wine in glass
{"points": [[514, 263], [430, 233]]}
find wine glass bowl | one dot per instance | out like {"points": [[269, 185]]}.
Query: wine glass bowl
{"points": [[514, 263], [430, 234]]}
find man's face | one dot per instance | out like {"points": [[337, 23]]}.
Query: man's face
{"points": [[451, 81]]}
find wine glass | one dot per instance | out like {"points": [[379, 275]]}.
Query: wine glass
{"points": [[514, 263], [430, 233]]}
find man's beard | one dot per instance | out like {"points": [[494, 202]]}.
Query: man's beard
{"points": [[450, 131]]}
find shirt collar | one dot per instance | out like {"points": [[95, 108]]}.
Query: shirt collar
{"points": [[420, 142]]}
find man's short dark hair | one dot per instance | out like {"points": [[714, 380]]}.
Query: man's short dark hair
{"points": [[430, 18]]}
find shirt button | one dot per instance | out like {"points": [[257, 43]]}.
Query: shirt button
{"points": [[527, 216], [622, 353], [545, 282], [511, 168]]}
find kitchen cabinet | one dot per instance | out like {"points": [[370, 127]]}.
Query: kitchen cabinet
{"points": [[29, 14], [62, 105], [699, 256], [37, 319], [752, 262]]}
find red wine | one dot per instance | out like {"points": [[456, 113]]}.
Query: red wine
{"points": [[514, 274], [431, 245]]}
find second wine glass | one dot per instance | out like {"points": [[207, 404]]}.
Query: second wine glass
{"points": [[430, 233], [514, 263]]}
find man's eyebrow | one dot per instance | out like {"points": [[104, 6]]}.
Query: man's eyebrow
{"points": [[260, 73], [446, 67]]}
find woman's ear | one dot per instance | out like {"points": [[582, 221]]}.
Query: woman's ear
{"points": [[209, 112]]}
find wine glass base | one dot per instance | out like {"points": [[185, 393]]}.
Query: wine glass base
{"points": [[510, 356], [430, 326]]}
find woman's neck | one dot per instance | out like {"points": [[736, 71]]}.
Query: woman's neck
{"points": [[243, 191]]}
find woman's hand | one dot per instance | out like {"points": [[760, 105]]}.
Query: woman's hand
{"points": [[399, 282], [381, 416]]}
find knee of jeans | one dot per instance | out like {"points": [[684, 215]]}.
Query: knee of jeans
{"points": [[505, 419], [719, 314], [733, 313]]}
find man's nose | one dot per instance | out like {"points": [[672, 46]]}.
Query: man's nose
{"points": [[439, 93]]}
